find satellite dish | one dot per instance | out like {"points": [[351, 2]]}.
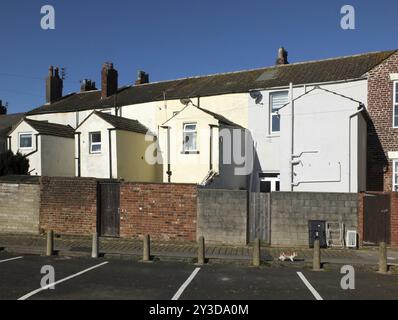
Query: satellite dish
{"points": [[185, 101], [257, 96]]}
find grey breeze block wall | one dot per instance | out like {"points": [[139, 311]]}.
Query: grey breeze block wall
{"points": [[222, 216], [291, 211], [19, 208]]}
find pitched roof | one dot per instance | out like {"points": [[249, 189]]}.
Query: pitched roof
{"points": [[329, 70], [220, 118], [123, 123], [51, 129], [7, 121]]}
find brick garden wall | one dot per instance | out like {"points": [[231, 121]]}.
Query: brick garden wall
{"points": [[19, 208], [69, 205], [164, 211]]}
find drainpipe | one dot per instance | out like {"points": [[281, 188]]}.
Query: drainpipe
{"points": [[212, 126], [361, 109], [79, 173], [292, 138], [9, 143], [110, 152], [169, 172]]}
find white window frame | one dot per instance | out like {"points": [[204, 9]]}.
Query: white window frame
{"points": [[184, 131], [95, 143], [275, 113], [394, 185], [395, 104], [19, 140]]}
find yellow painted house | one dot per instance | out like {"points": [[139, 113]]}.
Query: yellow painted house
{"points": [[112, 147]]}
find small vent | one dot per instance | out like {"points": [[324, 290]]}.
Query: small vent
{"points": [[351, 241]]}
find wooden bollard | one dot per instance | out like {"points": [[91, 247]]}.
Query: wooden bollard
{"points": [[383, 267], [256, 253], [50, 243], [146, 257], [95, 246], [317, 256], [201, 251]]}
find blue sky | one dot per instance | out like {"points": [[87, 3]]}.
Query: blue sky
{"points": [[175, 38]]}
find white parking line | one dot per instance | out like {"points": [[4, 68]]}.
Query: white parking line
{"points": [[30, 294], [309, 286], [11, 259], [186, 284]]}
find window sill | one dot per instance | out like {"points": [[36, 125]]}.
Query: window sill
{"points": [[190, 152], [273, 136]]}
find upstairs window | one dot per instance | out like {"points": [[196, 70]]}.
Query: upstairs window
{"points": [[277, 100], [25, 141], [190, 137], [95, 142], [395, 112]]}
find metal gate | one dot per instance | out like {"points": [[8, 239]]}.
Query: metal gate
{"points": [[259, 217], [108, 209], [376, 219]]}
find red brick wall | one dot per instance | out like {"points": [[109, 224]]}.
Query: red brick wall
{"points": [[394, 219], [164, 211], [382, 137], [68, 205]]}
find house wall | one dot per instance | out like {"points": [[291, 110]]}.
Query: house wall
{"points": [[382, 137], [97, 165], [68, 205], [189, 168], [35, 164], [19, 210], [164, 211], [131, 158], [57, 156], [270, 147]]}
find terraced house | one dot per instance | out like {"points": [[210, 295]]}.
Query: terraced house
{"points": [[327, 125]]}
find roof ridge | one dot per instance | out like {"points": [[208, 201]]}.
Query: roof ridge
{"points": [[266, 67]]}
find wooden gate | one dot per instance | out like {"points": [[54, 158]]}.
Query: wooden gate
{"points": [[259, 217], [376, 219], [109, 209]]}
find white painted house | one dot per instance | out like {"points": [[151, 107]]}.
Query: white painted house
{"points": [[329, 132], [48, 146]]}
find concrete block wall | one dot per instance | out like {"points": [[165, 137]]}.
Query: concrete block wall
{"points": [[291, 211], [222, 216], [19, 208], [164, 211]]}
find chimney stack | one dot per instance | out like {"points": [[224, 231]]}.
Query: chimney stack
{"points": [[282, 56], [109, 80], [142, 78], [54, 85], [87, 85], [3, 109]]}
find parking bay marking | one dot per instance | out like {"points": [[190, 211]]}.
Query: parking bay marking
{"points": [[30, 294], [185, 285], [309, 286], [11, 259]]}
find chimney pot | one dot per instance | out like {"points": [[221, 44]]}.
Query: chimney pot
{"points": [[282, 57], [142, 78], [3, 109], [87, 85]]}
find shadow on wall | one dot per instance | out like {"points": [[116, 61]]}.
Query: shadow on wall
{"points": [[376, 159]]}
